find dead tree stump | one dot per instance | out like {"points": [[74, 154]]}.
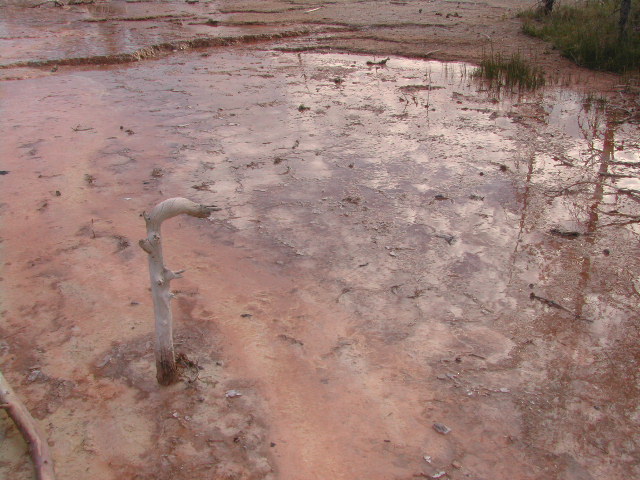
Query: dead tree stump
{"points": [[161, 277]]}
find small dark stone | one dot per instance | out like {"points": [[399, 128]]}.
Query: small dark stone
{"points": [[441, 428], [564, 233]]}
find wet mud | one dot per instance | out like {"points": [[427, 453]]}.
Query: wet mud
{"points": [[412, 273]]}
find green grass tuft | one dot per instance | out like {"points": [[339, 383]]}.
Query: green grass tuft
{"points": [[587, 32], [512, 72]]}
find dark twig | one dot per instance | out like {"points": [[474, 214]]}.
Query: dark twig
{"points": [[554, 304]]}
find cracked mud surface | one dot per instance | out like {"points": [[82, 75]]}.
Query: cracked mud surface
{"points": [[411, 274]]}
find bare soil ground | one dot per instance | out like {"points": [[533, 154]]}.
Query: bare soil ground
{"points": [[413, 275]]}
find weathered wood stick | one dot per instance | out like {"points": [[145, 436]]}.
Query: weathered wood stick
{"points": [[30, 430], [166, 370]]}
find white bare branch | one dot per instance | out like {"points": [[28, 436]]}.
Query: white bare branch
{"points": [[161, 278]]}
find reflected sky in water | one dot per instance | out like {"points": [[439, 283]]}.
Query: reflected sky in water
{"points": [[422, 200]]}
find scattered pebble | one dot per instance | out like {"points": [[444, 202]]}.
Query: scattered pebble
{"points": [[441, 428], [34, 375], [232, 394], [104, 362]]}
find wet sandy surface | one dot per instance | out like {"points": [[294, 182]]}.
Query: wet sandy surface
{"points": [[101, 32], [399, 247]]}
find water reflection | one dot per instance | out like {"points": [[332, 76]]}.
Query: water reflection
{"points": [[430, 210]]}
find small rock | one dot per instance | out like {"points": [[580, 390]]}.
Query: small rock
{"points": [[427, 458], [104, 362], [504, 390], [439, 474], [34, 375], [232, 394], [456, 464], [441, 428]]}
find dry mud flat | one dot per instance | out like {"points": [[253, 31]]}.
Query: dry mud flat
{"points": [[412, 274]]}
